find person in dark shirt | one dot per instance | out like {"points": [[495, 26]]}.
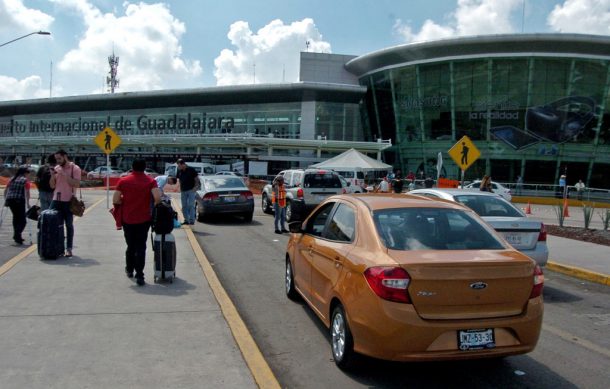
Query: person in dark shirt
{"points": [[189, 183], [397, 183], [428, 182], [43, 182], [133, 194]]}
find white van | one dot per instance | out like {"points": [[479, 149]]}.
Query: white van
{"points": [[203, 168], [355, 177]]}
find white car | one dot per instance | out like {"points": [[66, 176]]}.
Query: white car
{"points": [[524, 234], [497, 188], [103, 171]]}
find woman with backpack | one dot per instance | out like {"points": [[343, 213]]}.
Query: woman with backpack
{"points": [[17, 198]]}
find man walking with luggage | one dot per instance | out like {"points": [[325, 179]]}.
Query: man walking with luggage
{"points": [[64, 179], [189, 183], [133, 194]]}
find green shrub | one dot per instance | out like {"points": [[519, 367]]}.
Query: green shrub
{"points": [[587, 212], [559, 212], [605, 216]]}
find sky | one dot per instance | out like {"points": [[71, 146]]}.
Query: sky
{"points": [[193, 44]]}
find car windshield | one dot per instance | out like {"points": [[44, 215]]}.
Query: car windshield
{"points": [[223, 182], [433, 229], [488, 205], [322, 180]]}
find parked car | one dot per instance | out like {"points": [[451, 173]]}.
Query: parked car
{"points": [[305, 189], [148, 171], [224, 195], [497, 188], [102, 172], [228, 173], [407, 278], [355, 177], [525, 234]]}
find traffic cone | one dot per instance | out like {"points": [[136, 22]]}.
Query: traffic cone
{"points": [[528, 209], [566, 212]]}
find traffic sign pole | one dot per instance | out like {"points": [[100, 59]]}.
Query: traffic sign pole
{"points": [[462, 178], [107, 180]]}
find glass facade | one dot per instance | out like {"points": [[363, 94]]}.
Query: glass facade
{"points": [[533, 116]]}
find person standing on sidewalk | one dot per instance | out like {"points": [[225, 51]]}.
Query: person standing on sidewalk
{"points": [[580, 188], [279, 204], [189, 183], [64, 179], [43, 182], [133, 194], [17, 198]]}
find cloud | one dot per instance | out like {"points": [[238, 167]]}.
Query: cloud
{"points": [[14, 15], [272, 53], [581, 16], [29, 87], [471, 17], [146, 39]]}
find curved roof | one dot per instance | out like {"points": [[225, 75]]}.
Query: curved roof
{"points": [[483, 46], [220, 95]]}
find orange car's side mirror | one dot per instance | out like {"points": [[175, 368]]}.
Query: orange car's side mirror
{"points": [[296, 227]]}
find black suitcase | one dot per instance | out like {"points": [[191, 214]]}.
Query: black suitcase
{"points": [[50, 235], [164, 246]]}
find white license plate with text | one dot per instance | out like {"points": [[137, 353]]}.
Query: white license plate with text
{"points": [[476, 339]]}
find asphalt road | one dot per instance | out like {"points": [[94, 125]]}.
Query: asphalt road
{"points": [[574, 349]]}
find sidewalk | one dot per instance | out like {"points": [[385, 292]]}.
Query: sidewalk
{"points": [[588, 261], [80, 322]]}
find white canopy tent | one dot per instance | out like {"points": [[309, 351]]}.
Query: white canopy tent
{"points": [[353, 159]]}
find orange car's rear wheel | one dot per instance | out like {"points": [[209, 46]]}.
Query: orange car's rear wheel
{"points": [[342, 342], [291, 292]]}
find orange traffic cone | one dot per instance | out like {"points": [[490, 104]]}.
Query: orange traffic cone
{"points": [[566, 212], [528, 209]]}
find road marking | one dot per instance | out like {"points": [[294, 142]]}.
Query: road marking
{"points": [[17, 258], [257, 364], [576, 340], [578, 272]]}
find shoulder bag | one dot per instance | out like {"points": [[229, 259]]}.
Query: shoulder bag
{"points": [[77, 206]]}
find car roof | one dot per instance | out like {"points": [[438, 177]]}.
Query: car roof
{"points": [[455, 192], [378, 201]]}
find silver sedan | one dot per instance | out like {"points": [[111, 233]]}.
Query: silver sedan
{"points": [[525, 234]]}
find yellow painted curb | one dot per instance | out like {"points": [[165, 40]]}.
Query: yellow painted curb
{"points": [[580, 273], [17, 258], [554, 201], [257, 364]]}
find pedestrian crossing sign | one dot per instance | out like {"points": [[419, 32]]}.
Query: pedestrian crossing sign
{"points": [[107, 140], [464, 153]]}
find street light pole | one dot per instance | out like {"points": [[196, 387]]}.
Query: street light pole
{"points": [[26, 35]]}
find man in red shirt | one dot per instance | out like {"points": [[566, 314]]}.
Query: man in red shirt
{"points": [[134, 193]]}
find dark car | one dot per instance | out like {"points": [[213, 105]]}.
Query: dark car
{"points": [[224, 194]]}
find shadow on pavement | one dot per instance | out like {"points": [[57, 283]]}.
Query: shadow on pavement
{"points": [[74, 261], [554, 295], [178, 288]]}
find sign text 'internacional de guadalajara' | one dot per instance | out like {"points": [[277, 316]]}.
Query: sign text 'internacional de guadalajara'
{"points": [[124, 124]]}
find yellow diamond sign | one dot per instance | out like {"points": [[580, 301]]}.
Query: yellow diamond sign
{"points": [[464, 153], [107, 140]]}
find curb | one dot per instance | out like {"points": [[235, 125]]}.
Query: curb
{"points": [[580, 273]]}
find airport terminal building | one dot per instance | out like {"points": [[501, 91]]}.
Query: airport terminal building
{"points": [[535, 105]]}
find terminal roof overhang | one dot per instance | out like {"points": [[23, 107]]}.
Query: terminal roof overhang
{"points": [[486, 45], [221, 95]]}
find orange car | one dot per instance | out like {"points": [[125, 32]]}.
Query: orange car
{"points": [[410, 279]]}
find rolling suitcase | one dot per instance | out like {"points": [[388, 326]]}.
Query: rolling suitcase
{"points": [[50, 235], [164, 247]]}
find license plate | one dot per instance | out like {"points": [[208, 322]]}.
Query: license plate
{"points": [[320, 198], [476, 339], [229, 199], [514, 239]]}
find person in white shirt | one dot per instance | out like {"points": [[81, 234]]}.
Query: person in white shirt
{"points": [[580, 188], [165, 180], [384, 185]]}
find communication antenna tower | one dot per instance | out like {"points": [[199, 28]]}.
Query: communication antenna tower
{"points": [[111, 80]]}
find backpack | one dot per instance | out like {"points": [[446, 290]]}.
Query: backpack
{"points": [[163, 218]]}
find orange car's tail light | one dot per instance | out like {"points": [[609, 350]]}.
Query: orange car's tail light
{"points": [[538, 282], [542, 234], [300, 193], [389, 283]]}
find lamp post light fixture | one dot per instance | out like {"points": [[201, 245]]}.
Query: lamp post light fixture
{"points": [[26, 35]]}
